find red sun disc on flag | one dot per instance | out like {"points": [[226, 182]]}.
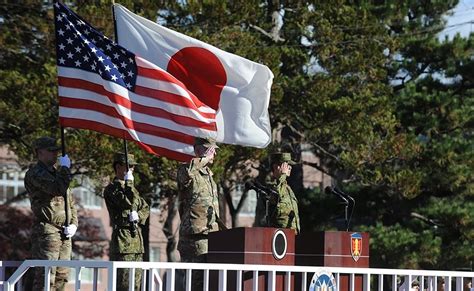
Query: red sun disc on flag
{"points": [[201, 72]]}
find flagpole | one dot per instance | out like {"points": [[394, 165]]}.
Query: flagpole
{"points": [[133, 226], [125, 151], [66, 200], [63, 153], [125, 148]]}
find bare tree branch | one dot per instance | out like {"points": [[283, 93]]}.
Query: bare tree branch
{"points": [[272, 36], [277, 23], [325, 152], [316, 166]]}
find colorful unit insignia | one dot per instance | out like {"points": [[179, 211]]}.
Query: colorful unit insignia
{"points": [[356, 246], [323, 281]]}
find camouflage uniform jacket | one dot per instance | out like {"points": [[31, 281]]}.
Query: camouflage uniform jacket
{"points": [[198, 199], [118, 198], [284, 211], [46, 186]]}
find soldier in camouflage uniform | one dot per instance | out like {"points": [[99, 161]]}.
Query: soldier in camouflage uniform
{"points": [[198, 205], [51, 235], [128, 211], [283, 209]]}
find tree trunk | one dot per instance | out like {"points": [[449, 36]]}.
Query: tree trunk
{"points": [[228, 200], [291, 142]]}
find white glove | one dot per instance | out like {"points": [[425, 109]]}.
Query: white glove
{"points": [[129, 176], [133, 216], [70, 230], [64, 161]]}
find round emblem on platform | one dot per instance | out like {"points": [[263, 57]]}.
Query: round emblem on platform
{"points": [[323, 281], [279, 244]]}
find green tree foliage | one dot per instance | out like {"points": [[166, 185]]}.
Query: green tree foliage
{"points": [[432, 84], [29, 101], [366, 85]]}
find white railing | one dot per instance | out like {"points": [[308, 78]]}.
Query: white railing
{"points": [[163, 276], [4, 266]]}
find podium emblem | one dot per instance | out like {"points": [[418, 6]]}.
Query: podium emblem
{"points": [[279, 244], [323, 281], [356, 246]]}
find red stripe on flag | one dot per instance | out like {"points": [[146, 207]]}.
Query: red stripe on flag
{"points": [[165, 76], [138, 126], [100, 127], [134, 107], [151, 93], [158, 75]]}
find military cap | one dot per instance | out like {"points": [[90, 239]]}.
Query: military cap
{"points": [[278, 158], [207, 142], [46, 142], [120, 158]]}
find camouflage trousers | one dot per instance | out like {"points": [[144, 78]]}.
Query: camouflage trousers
{"points": [[123, 274], [192, 249], [50, 246]]}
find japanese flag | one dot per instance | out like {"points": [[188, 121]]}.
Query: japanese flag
{"points": [[237, 88]]}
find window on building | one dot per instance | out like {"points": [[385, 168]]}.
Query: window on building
{"points": [[250, 203], [11, 185], [156, 200], [155, 254], [85, 194], [87, 274]]}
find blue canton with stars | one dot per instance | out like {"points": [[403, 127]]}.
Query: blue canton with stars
{"points": [[80, 46]]}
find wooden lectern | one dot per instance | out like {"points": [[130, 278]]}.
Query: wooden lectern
{"points": [[334, 249], [252, 245]]}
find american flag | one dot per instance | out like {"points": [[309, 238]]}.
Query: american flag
{"points": [[105, 88]]}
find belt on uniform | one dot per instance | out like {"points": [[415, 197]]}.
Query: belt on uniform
{"points": [[121, 221], [60, 227], [120, 226]]}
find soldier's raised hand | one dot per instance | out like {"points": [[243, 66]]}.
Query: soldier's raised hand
{"points": [[208, 155], [64, 161], [285, 169], [210, 152]]}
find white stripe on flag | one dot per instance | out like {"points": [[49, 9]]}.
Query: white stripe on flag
{"points": [[129, 114], [144, 100], [152, 103], [117, 123]]}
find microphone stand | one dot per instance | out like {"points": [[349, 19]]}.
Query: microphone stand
{"points": [[266, 192], [352, 202], [345, 201]]}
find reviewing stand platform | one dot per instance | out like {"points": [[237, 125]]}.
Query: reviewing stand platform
{"points": [[333, 249], [275, 246]]}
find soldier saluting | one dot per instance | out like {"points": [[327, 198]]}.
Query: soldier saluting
{"points": [[198, 204], [127, 212], [282, 205]]}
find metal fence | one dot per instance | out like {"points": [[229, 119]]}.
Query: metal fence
{"points": [[179, 276]]}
